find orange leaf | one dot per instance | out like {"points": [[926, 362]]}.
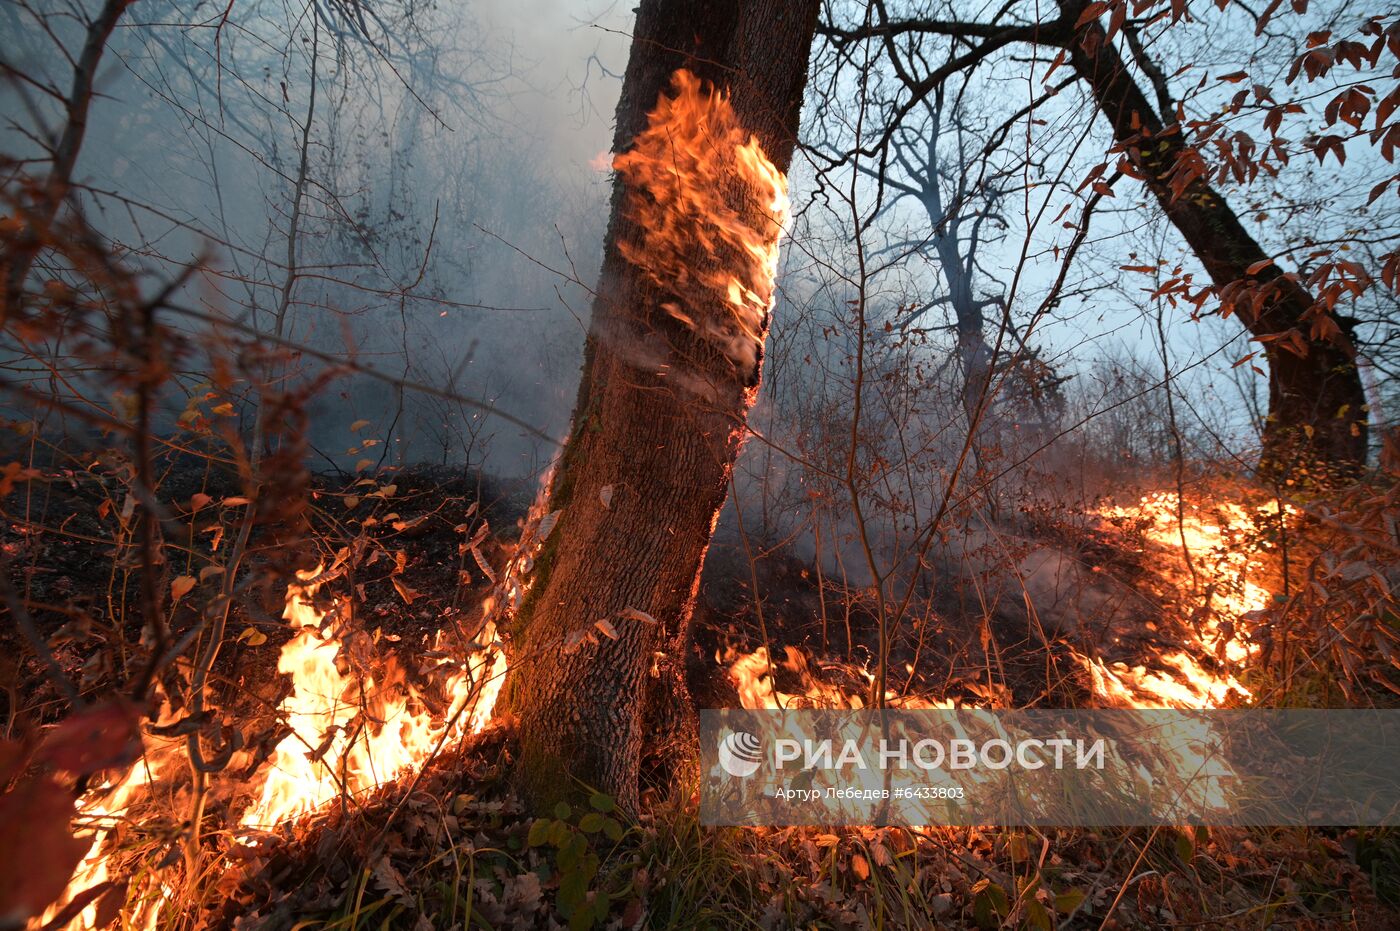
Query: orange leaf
{"points": [[406, 593], [1091, 12], [180, 587]]}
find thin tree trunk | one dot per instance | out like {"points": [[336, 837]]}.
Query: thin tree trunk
{"points": [[46, 202], [658, 423], [1317, 405]]}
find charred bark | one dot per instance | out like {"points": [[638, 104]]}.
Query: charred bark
{"points": [[658, 423], [1317, 421]]}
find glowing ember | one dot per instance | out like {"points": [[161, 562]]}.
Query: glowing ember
{"points": [[681, 174]]}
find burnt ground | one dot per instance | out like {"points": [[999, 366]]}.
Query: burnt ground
{"points": [[72, 557], [410, 580]]}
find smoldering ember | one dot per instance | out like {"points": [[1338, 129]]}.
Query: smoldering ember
{"points": [[417, 420]]}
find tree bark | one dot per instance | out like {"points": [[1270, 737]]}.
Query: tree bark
{"points": [[658, 423], [1317, 419]]}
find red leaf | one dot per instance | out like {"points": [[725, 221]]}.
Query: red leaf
{"points": [[97, 738], [1091, 12], [38, 851]]}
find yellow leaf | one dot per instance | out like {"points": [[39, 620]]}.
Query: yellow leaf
{"points": [[860, 867], [209, 571], [358, 425], [363, 464], [252, 636], [198, 501], [224, 410]]}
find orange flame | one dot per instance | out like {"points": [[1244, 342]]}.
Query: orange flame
{"points": [[692, 176], [1223, 596], [351, 734], [753, 675], [1217, 580], [102, 809]]}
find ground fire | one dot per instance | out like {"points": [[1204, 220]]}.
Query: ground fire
{"points": [[480, 466]]}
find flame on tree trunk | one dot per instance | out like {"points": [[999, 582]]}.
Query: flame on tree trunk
{"points": [[706, 125], [1317, 420]]}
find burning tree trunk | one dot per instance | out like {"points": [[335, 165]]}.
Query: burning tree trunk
{"points": [[1317, 404], [706, 124]]}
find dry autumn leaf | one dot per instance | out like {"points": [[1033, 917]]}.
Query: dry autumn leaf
{"points": [[38, 851], [406, 593], [252, 636], [99, 737], [180, 587]]}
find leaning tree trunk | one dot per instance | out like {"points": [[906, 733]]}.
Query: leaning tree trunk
{"points": [[1317, 405], [670, 372]]}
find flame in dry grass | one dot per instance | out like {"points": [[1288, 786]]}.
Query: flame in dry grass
{"points": [[1216, 580], [356, 723], [1221, 601], [1222, 598], [1210, 555], [352, 733], [100, 812], [709, 207], [753, 675]]}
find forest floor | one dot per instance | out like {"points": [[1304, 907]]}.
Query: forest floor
{"points": [[453, 848]]}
